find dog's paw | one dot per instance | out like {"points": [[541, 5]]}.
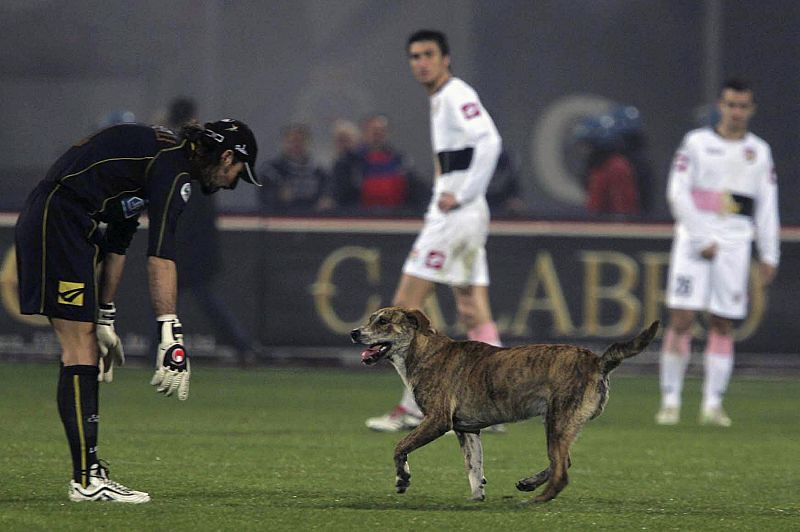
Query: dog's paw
{"points": [[401, 487], [531, 483], [477, 498]]}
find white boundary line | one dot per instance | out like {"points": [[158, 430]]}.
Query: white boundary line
{"points": [[412, 226]]}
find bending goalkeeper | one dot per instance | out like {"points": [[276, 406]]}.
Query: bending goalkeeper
{"points": [[69, 269]]}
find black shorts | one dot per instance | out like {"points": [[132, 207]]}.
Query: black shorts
{"points": [[58, 252]]}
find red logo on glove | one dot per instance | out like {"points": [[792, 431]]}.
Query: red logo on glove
{"points": [[178, 355]]}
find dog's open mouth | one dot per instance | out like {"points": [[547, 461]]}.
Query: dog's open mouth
{"points": [[374, 353]]}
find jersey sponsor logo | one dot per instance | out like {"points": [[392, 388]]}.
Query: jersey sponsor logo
{"points": [[471, 110], [715, 151], [70, 293], [435, 260], [749, 154], [186, 192], [132, 206]]}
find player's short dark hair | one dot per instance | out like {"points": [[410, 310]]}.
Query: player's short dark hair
{"points": [[430, 35], [736, 84]]}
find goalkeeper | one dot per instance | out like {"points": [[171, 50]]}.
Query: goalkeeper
{"points": [[69, 269]]}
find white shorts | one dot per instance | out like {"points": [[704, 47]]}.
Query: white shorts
{"points": [[451, 249], [718, 285]]}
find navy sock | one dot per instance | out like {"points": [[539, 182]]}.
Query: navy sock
{"points": [[77, 406]]}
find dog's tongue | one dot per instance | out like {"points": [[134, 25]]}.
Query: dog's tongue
{"points": [[369, 352]]}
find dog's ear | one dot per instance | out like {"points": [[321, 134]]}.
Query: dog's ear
{"points": [[419, 320]]}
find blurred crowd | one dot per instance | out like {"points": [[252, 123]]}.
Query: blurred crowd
{"points": [[369, 175]]}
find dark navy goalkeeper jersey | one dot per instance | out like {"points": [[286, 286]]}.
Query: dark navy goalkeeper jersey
{"points": [[125, 170]]}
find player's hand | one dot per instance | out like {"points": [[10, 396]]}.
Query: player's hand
{"points": [[766, 273], [447, 202], [710, 252], [108, 343], [172, 365]]}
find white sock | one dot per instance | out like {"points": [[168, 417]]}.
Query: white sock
{"points": [[718, 369], [409, 404], [672, 371]]}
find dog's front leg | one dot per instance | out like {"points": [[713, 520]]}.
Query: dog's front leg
{"points": [[472, 448], [426, 432]]}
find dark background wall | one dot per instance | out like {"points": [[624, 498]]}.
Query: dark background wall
{"points": [[65, 65]]}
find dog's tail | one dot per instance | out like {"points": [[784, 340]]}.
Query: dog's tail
{"points": [[618, 352]]}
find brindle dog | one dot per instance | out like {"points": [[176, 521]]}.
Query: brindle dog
{"points": [[468, 386]]}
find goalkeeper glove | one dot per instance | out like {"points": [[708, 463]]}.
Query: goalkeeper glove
{"points": [[172, 365], [108, 343]]}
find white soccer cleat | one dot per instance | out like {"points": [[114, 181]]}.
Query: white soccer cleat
{"points": [[102, 488], [716, 417], [668, 415], [395, 421]]}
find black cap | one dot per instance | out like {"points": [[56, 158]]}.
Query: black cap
{"points": [[235, 135]]}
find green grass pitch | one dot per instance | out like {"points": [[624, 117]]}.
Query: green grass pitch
{"points": [[286, 449]]}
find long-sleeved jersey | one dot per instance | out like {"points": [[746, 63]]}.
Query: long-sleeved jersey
{"points": [[118, 173], [465, 142], [725, 191]]}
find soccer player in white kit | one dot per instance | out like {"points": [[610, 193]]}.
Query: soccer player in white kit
{"points": [[723, 194], [450, 249]]}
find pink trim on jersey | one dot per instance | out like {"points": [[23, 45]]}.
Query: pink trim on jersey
{"points": [[707, 200], [486, 332], [680, 344], [719, 344]]}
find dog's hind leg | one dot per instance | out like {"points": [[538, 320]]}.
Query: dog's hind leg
{"points": [[531, 483], [472, 448], [562, 429]]}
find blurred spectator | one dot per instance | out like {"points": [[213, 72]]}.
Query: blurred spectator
{"points": [[293, 182], [611, 181], [628, 124], [200, 259], [504, 191], [377, 179], [347, 170], [122, 116]]}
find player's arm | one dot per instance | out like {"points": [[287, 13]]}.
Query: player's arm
{"points": [[169, 193], [162, 275], [767, 223], [486, 144], [679, 196], [117, 238]]}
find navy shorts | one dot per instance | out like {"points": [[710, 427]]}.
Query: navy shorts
{"points": [[58, 252]]}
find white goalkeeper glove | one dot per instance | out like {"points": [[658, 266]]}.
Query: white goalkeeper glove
{"points": [[172, 365], [108, 343]]}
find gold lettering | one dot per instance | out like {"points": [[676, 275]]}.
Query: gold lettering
{"points": [[543, 273], [324, 289], [654, 295], [619, 293]]}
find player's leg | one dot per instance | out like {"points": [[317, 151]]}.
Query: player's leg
{"points": [[718, 366], [411, 292], [731, 269], [687, 292], [78, 393], [674, 359], [474, 311]]}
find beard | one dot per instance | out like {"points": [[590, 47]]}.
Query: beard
{"points": [[206, 179]]}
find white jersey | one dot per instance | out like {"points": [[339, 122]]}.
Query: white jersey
{"points": [[465, 143], [725, 191]]}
